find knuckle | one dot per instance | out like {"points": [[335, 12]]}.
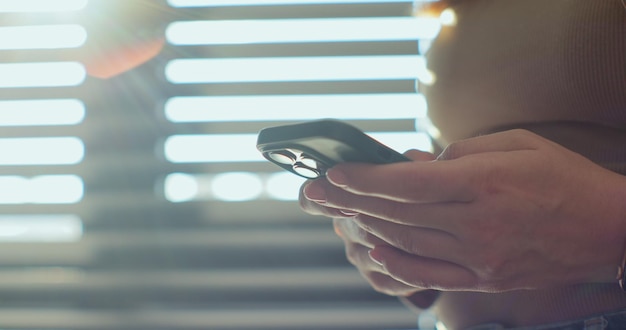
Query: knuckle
{"points": [[484, 234], [392, 211], [350, 230], [522, 133], [368, 239], [357, 255], [493, 286], [339, 199], [400, 274], [452, 151], [352, 254], [415, 281], [365, 225], [524, 137], [377, 282], [407, 242], [491, 268], [384, 284]]}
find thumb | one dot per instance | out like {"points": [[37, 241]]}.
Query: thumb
{"points": [[418, 155]]}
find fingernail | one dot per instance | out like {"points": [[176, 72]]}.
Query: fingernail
{"points": [[315, 193], [375, 257], [349, 213], [337, 177]]}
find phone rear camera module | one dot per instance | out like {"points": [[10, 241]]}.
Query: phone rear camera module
{"points": [[306, 171], [308, 161], [299, 162], [283, 157]]}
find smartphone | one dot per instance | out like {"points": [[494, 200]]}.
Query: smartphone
{"points": [[309, 149]]}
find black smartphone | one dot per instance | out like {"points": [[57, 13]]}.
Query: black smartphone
{"points": [[309, 149]]}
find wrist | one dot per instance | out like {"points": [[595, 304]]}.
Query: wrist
{"points": [[613, 214]]}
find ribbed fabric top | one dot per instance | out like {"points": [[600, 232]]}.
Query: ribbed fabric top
{"points": [[556, 67]]}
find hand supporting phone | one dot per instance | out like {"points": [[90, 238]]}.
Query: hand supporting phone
{"points": [[309, 149]]}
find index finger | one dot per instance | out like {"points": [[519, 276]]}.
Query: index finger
{"points": [[407, 182]]}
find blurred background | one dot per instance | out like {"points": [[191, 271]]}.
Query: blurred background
{"points": [[131, 192]]}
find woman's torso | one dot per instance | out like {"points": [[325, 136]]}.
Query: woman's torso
{"points": [[557, 68]]}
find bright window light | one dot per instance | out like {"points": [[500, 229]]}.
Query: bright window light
{"points": [[42, 37], [229, 186], [242, 147], [302, 30], [56, 189], [44, 189], [218, 3], [424, 45], [236, 186], [295, 107], [17, 6], [423, 74], [41, 151], [284, 186], [40, 228], [42, 74], [426, 125], [41, 112], [293, 69], [212, 148], [180, 187], [448, 17]]}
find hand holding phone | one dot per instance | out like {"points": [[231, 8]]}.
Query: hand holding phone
{"points": [[309, 149]]}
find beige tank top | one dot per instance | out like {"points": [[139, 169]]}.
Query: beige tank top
{"points": [[556, 67]]}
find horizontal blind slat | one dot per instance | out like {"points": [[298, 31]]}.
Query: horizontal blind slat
{"points": [[144, 262]]}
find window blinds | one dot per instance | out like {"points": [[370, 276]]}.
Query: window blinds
{"points": [[140, 201]]}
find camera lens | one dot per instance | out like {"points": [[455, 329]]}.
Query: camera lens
{"points": [[307, 161], [283, 157], [305, 171]]}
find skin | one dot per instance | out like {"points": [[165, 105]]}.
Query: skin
{"points": [[491, 214]]}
